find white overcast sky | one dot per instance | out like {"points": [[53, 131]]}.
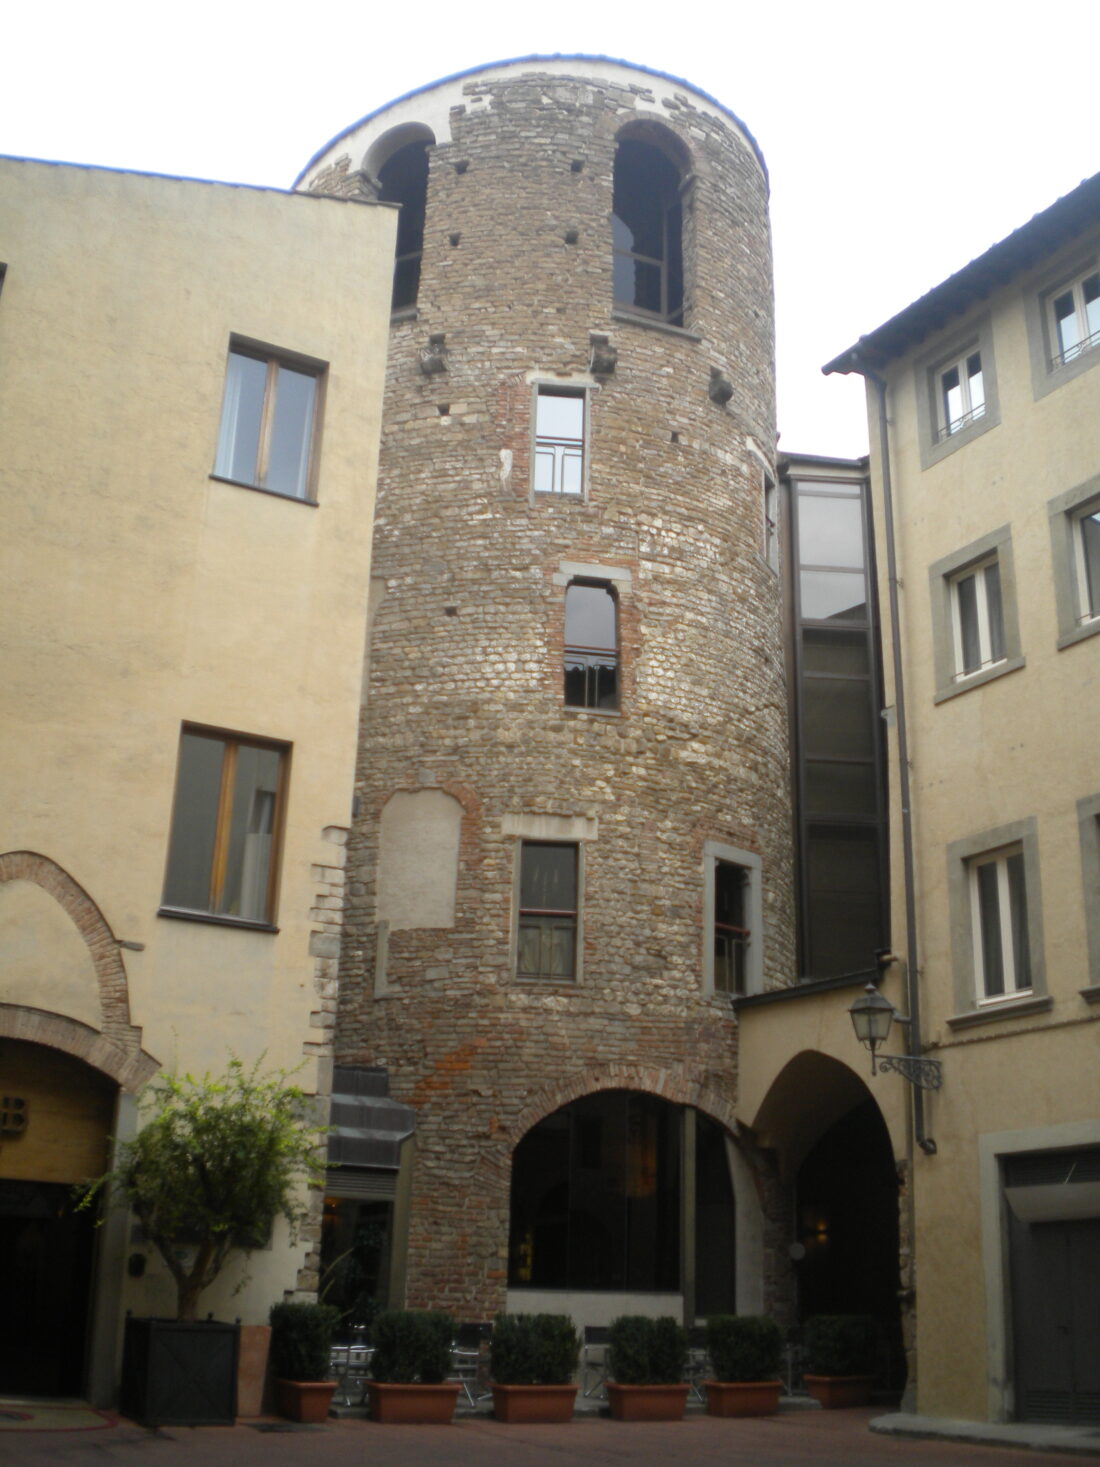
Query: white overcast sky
{"points": [[901, 141]]}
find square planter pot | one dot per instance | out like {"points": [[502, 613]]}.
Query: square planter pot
{"points": [[305, 1400], [179, 1372], [647, 1402], [742, 1397], [396, 1404], [836, 1391], [534, 1402]]}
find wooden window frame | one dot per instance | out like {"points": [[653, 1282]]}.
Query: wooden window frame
{"points": [[274, 360], [219, 865]]}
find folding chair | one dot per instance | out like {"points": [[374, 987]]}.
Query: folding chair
{"points": [[467, 1354], [594, 1362]]}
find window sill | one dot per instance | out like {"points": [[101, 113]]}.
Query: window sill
{"points": [[1091, 994], [575, 709], [259, 489], [977, 679], [1079, 633], [651, 323], [404, 313], [935, 452], [1010, 1008], [215, 919], [1056, 376]]}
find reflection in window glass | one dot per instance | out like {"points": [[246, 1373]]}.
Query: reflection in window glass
{"points": [[596, 1197], [559, 442], [830, 531], [547, 943], [591, 647], [833, 595]]}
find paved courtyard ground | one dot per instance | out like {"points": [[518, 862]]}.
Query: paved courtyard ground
{"points": [[791, 1439]]}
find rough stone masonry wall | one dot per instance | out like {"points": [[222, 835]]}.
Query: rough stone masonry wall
{"points": [[465, 686]]}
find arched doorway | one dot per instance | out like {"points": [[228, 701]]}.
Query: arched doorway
{"points": [[837, 1160], [624, 1193], [57, 1115]]}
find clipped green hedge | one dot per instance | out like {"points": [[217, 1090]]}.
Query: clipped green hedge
{"points": [[644, 1351], [301, 1340], [840, 1344], [744, 1347], [533, 1349], [412, 1345]]}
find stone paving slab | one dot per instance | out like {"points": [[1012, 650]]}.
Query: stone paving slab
{"points": [[790, 1439]]}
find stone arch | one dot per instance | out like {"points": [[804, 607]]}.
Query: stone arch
{"points": [[115, 1049], [675, 1086], [391, 141], [648, 130]]}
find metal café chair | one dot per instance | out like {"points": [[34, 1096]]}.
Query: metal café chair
{"points": [[467, 1355], [350, 1366], [594, 1362], [697, 1369]]}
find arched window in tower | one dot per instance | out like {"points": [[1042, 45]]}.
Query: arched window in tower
{"points": [[591, 646], [647, 232], [404, 180]]}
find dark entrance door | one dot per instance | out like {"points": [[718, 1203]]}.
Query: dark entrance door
{"points": [[46, 1250], [1056, 1319]]}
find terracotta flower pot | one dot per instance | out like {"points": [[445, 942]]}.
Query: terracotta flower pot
{"points": [[534, 1402], [742, 1397], [836, 1391], [646, 1402], [395, 1403], [304, 1400]]}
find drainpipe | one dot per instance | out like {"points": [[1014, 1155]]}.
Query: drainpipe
{"points": [[923, 1140]]}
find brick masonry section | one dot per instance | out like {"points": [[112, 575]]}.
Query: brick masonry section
{"points": [[465, 663]]}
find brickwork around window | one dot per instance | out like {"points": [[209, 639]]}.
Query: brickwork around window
{"points": [[465, 660]]}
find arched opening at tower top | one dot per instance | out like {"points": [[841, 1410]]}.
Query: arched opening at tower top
{"points": [[647, 229], [403, 179]]}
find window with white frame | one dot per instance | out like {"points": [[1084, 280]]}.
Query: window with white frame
{"points": [[268, 424], [1075, 319], [998, 910], [1086, 556], [961, 394], [560, 414], [977, 615], [549, 887], [733, 919]]}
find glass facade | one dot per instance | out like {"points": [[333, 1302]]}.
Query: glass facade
{"points": [[839, 770]]}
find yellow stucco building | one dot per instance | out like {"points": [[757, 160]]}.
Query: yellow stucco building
{"points": [[189, 406], [984, 405]]}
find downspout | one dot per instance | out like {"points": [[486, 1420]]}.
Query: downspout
{"points": [[923, 1140]]}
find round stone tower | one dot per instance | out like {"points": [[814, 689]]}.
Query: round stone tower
{"points": [[573, 835]]}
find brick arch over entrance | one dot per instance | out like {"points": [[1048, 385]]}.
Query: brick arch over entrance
{"points": [[677, 1086], [116, 1049]]}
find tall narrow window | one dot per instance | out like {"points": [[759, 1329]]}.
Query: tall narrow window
{"points": [[224, 824], [591, 646], [1086, 545], [978, 616], [1000, 931], [268, 423], [731, 927], [559, 441], [1076, 319], [771, 522], [962, 394], [548, 889], [647, 232], [404, 181]]}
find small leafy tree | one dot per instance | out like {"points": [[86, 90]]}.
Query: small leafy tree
{"points": [[215, 1162]]}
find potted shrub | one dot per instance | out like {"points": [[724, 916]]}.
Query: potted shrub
{"points": [[839, 1350], [745, 1352], [646, 1360], [212, 1166], [301, 1355], [411, 1360], [532, 1361]]}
